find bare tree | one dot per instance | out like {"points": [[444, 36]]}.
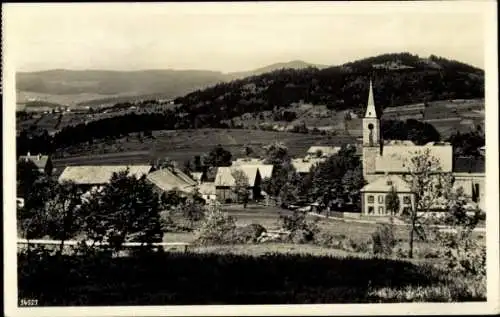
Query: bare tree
{"points": [[431, 188], [392, 201]]}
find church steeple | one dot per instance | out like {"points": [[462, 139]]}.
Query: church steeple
{"points": [[370, 108], [371, 123]]}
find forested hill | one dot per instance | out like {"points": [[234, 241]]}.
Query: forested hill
{"points": [[398, 79]]}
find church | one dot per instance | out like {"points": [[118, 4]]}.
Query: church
{"points": [[383, 163]]}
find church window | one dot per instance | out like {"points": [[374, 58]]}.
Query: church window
{"points": [[371, 199], [406, 200], [380, 199]]}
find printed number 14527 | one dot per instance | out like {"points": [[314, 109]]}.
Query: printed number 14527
{"points": [[28, 302]]}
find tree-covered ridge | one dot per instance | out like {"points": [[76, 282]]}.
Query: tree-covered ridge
{"points": [[398, 79]]}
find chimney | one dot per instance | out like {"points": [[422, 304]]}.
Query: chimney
{"points": [[28, 155], [39, 156]]}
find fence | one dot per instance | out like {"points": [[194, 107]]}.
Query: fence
{"points": [[126, 245]]}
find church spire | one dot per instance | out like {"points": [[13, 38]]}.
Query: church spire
{"points": [[370, 108]]}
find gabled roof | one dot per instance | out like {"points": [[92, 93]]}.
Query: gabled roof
{"points": [[168, 179], [39, 160], [266, 170], [384, 185], [225, 175], [100, 174]]}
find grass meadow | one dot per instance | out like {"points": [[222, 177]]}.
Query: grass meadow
{"points": [[181, 145]]}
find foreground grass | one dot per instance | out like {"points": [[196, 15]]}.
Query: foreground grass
{"points": [[240, 276]]}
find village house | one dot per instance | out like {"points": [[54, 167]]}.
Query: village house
{"points": [[304, 166], [42, 162], [387, 161], [94, 176], [172, 178], [225, 182], [208, 192], [373, 195], [265, 170]]}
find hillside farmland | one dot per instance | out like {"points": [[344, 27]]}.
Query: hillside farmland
{"points": [[181, 145]]}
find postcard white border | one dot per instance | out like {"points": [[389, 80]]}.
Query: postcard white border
{"points": [[488, 8]]}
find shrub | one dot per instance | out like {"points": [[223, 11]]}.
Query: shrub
{"points": [[464, 256], [383, 240], [301, 230], [249, 233], [217, 228]]}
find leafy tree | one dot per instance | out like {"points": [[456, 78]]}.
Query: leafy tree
{"points": [[241, 185], [164, 163], [416, 131], [126, 208], [467, 144], [431, 188], [352, 182], [392, 201], [187, 168], [32, 218], [217, 228], [193, 210], [276, 153], [281, 175], [329, 179], [247, 151], [27, 174], [198, 166], [171, 199], [218, 157], [63, 212]]}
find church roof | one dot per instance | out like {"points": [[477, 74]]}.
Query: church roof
{"points": [[395, 158], [384, 184], [370, 108]]}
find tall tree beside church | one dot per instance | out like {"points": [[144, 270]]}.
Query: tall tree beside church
{"points": [[431, 187], [392, 202]]}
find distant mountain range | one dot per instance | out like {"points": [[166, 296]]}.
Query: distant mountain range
{"points": [[432, 78], [101, 85]]}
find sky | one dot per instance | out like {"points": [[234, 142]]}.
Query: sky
{"points": [[236, 36]]}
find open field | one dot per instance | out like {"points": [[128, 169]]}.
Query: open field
{"points": [[268, 217], [182, 145]]}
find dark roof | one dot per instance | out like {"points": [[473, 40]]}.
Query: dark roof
{"points": [[466, 164]]}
